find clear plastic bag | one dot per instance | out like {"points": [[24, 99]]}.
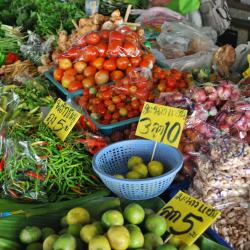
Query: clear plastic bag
{"points": [[24, 171]]}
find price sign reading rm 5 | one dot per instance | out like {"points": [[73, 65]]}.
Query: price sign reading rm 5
{"points": [[188, 217], [61, 119], [162, 124]]}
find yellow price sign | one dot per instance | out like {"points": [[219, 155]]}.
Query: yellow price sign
{"points": [[188, 217], [161, 123], [61, 119]]}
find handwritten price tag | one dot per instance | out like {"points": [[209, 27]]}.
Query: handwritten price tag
{"points": [[61, 119], [188, 217], [161, 123]]}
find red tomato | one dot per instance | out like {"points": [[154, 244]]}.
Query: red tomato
{"points": [[130, 114], [135, 104], [111, 108], [146, 64], [64, 63], [70, 72], [128, 107], [116, 75], [125, 80], [123, 97], [107, 117], [58, 74], [171, 82], [110, 64], [98, 62], [104, 88], [130, 49], [88, 82], [161, 87], [82, 101], [80, 66], [101, 109], [116, 99], [102, 76], [102, 48], [177, 75], [107, 102], [115, 48], [66, 80], [105, 34], [182, 84], [93, 38], [123, 112], [149, 57], [133, 89], [74, 86], [120, 105], [79, 77], [122, 63], [116, 116], [106, 95], [135, 61], [96, 101], [71, 54], [89, 53], [116, 35], [129, 69], [89, 71]]}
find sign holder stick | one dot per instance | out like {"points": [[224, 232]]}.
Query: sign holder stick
{"points": [[168, 238], [153, 153]]}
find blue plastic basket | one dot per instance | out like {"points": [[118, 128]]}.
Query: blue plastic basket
{"points": [[113, 160], [49, 75]]}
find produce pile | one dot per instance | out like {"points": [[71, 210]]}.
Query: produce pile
{"points": [[103, 67]]}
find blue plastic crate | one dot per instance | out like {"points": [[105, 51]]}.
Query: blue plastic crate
{"points": [[113, 160], [49, 75]]}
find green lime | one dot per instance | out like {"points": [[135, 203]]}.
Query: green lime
{"points": [[78, 215], [119, 237], [119, 176], [175, 241], [112, 218], [99, 243], [166, 247], [133, 175], [152, 241], [141, 169], [134, 160], [47, 231], [74, 229], [49, 242], [192, 247], [148, 211], [136, 236], [134, 213], [88, 232], [156, 224], [155, 168]]}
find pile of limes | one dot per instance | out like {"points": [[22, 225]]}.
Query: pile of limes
{"points": [[132, 228], [139, 170]]}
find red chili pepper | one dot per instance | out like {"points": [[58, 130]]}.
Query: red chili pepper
{"points": [[59, 147], [12, 193], [35, 175], [2, 161], [11, 58]]}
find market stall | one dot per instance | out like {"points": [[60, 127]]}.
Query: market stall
{"points": [[125, 129]]}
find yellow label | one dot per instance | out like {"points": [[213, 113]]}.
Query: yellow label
{"points": [[161, 123], [61, 119], [188, 217]]}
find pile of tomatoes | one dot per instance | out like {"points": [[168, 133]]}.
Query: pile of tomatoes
{"points": [[106, 105], [169, 80], [101, 57]]}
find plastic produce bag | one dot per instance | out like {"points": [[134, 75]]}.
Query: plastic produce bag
{"points": [[154, 17], [24, 171], [240, 63]]}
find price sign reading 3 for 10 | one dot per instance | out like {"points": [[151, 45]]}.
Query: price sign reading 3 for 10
{"points": [[61, 119], [161, 123]]}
